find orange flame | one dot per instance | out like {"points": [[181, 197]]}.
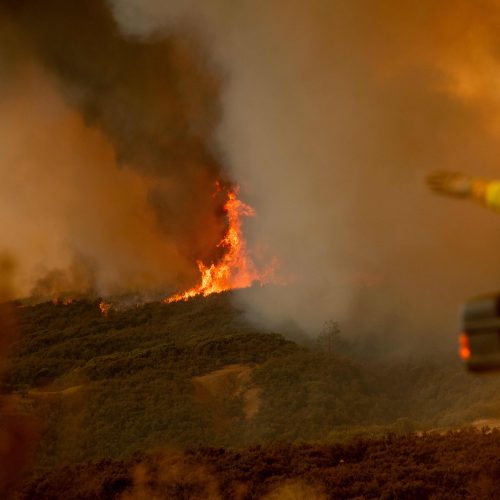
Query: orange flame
{"points": [[59, 301], [104, 307], [235, 269]]}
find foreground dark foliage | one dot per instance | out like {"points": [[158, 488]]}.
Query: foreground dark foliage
{"points": [[462, 464]]}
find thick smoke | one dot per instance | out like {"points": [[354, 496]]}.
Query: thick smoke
{"points": [[106, 166], [329, 115], [333, 113]]}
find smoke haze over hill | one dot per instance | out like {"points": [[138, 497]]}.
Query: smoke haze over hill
{"points": [[333, 113], [327, 114]]}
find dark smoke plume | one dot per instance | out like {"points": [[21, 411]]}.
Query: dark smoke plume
{"points": [[110, 145]]}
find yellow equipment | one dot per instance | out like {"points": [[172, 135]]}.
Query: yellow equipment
{"points": [[479, 342], [458, 185]]}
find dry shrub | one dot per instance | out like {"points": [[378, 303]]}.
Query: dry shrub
{"points": [[295, 490], [173, 476]]}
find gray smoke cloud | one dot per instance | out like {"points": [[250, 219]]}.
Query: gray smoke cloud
{"points": [[332, 115]]}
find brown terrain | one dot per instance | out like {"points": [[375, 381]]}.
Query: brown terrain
{"points": [[462, 464]]}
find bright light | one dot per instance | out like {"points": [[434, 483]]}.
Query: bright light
{"points": [[464, 346]]}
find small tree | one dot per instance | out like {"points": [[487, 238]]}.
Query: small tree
{"points": [[328, 338]]}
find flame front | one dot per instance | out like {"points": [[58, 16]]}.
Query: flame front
{"points": [[235, 269]]}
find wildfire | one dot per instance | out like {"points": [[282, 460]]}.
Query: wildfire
{"points": [[59, 301], [235, 269], [104, 307]]}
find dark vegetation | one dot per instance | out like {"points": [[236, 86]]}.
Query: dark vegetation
{"points": [[463, 464], [107, 388]]}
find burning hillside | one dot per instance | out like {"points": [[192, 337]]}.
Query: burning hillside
{"points": [[235, 269], [147, 104], [118, 117]]}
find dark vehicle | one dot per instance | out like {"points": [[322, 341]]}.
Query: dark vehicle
{"points": [[480, 338]]}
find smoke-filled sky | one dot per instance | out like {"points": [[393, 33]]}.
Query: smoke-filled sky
{"points": [[107, 170], [117, 117]]}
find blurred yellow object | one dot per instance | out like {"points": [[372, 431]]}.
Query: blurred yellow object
{"points": [[450, 184], [492, 196], [458, 185]]}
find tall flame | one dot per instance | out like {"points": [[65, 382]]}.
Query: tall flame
{"points": [[235, 269]]}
